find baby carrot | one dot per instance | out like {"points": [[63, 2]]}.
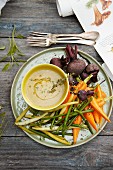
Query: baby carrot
{"points": [[90, 118], [95, 105], [72, 97], [78, 120], [101, 103], [96, 116], [67, 98], [103, 94], [99, 91]]}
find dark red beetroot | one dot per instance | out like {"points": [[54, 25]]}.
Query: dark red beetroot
{"points": [[76, 67], [72, 80], [71, 53], [56, 61], [93, 69]]}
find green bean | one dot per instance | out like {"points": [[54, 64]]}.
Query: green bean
{"points": [[26, 122], [86, 104], [81, 104], [41, 134], [66, 119], [71, 121], [58, 138], [35, 112], [60, 133], [82, 126], [86, 111], [53, 121]]}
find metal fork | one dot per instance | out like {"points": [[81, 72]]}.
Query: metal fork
{"points": [[46, 39]]}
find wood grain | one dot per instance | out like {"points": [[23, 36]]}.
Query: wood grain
{"points": [[21, 153]]}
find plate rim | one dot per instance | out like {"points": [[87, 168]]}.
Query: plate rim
{"points": [[63, 146]]}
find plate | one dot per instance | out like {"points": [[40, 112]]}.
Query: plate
{"points": [[18, 104]]}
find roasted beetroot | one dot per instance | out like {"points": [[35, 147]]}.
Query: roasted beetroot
{"points": [[76, 67], [72, 80], [82, 95], [90, 92], [84, 75], [71, 53], [93, 69], [56, 61]]}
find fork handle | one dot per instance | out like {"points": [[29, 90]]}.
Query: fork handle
{"points": [[67, 35], [85, 42], [69, 38]]}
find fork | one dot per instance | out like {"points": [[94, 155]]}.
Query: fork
{"points": [[92, 35], [46, 39]]}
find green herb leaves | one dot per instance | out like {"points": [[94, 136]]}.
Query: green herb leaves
{"points": [[13, 53], [2, 47]]}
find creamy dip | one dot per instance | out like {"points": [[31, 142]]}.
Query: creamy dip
{"points": [[45, 88]]}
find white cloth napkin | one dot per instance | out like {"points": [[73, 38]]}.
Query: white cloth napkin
{"points": [[64, 7], [2, 4]]}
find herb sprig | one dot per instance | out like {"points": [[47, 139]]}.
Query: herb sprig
{"points": [[2, 47], [13, 53]]}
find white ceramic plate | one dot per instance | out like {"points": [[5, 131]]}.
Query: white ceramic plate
{"points": [[18, 104]]}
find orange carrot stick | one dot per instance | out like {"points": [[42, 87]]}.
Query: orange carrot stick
{"points": [[103, 94], [95, 105], [67, 98], [101, 103], [80, 87], [78, 120], [84, 85], [96, 116], [72, 96], [100, 100], [99, 91], [90, 118]]}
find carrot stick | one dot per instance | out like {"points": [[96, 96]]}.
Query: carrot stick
{"points": [[99, 100], [78, 120], [101, 103], [96, 116], [66, 109], [103, 94], [89, 88], [67, 98], [100, 119], [84, 85], [99, 91], [90, 118], [72, 97], [95, 105], [79, 85]]}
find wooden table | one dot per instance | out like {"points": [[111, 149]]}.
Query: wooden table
{"points": [[17, 150]]}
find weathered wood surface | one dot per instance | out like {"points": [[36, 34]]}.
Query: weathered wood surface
{"points": [[17, 151]]}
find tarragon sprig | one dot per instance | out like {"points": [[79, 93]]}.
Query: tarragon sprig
{"points": [[13, 52]]}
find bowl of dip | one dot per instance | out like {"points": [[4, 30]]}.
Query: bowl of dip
{"points": [[45, 87]]}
